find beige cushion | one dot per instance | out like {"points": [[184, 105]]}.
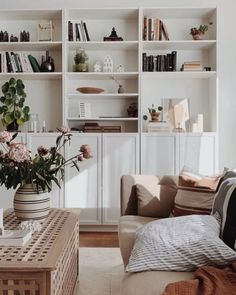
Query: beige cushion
{"points": [[151, 282], [127, 227], [155, 199]]}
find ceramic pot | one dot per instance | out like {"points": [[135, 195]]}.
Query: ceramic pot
{"points": [[198, 36], [82, 67], [30, 203], [13, 126], [156, 117]]}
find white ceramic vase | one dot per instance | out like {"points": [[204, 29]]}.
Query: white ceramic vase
{"points": [[30, 203]]}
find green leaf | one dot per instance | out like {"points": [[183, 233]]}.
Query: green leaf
{"points": [[8, 118], [9, 101], [17, 114], [26, 117], [2, 99], [20, 121], [26, 110], [12, 90], [5, 87], [3, 109], [12, 81]]}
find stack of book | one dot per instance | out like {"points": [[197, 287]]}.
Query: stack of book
{"points": [[96, 128], [11, 62], [192, 66], [160, 63], [154, 30], [78, 31], [161, 126]]}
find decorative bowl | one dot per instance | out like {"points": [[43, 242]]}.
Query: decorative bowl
{"points": [[90, 90]]}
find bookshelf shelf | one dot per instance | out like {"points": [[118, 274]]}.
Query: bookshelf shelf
{"points": [[32, 76], [102, 119], [179, 75], [103, 95], [31, 46], [103, 75], [178, 45], [101, 45]]}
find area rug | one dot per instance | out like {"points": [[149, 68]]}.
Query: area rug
{"points": [[101, 271]]}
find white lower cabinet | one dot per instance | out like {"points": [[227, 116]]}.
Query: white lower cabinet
{"points": [[34, 140], [159, 153], [199, 152], [83, 190], [120, 156]]}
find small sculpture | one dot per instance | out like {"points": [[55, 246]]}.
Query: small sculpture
{"points": [[108, 64], [48, 64], [120, 68], [97, 67], [113, 36]]}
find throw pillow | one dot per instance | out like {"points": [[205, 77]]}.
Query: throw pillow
{"points": [[195, 194], [156, 199], [225, 207], [179, 244]]}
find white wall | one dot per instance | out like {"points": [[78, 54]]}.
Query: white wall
{"points": [[226, 54]]}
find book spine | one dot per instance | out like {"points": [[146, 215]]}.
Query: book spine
{"points": [[86, 31], [19, 62], [149, 29], [145, 28], [27, 63], [14, 65], [77, 32], [70, 31], [9, 65], [174, 60], [34, 64], [144, 62], [22, 62], [82, 32]]}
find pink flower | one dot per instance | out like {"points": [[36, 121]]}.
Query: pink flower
{"points": [[18, 152], [5, 136], [64, 129], [86, 150], [80, 158]]}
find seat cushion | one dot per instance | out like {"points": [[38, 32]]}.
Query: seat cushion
{"points": [[151, 282], [128, 224]]}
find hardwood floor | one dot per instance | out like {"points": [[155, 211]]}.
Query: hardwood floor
{"points": [[99, 239]]}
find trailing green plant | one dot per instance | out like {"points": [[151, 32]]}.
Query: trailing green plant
{"points": [[201, 30], [154, 110], [13, 99]]}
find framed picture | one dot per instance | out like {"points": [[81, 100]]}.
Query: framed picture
{"points": [[176, 113], [45, 31]]}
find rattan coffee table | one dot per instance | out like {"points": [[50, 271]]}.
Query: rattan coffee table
{"points": [[48, 263]]}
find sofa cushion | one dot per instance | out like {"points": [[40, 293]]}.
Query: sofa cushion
{"points": [[128, 224], [180, 244], [195, 194], [151, 282], [224, 209], [155, 199]]}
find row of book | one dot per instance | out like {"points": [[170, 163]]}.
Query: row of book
{"points": [[154, 30], [96, 128], [160, 63], [192, 66], [78, 31], [12, 62]]}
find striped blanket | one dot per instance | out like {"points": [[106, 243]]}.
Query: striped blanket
{"points": [[208, 281]]}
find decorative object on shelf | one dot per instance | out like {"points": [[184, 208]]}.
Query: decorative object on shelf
{"points": [[189, 66], [207, 69], [120, 86], [1, 222], [90, 90], [13, 38], [13, 111], [35, 174], [85, 110], [31, 225], [120, 68], [200, 122], [4, 36], [45, 31], [97, 67], [81, 61], [133, 110], [176, 113], [155, 113], [198, 34], [47, 64], [33, 124], [194, 127], [113, 36], [24, 36], [44, 126], [108, 64]]}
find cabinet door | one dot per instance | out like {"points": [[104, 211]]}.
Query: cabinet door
{"points": [[6, 196], [48, 140], [83, 189], [199, 152], [159, 155], [120, 156]]}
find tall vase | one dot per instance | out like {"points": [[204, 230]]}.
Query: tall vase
{"points": [[30, 203]]}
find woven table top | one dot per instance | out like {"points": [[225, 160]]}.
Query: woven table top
{"points": [[43, 250]]}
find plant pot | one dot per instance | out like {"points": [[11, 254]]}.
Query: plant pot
{"points": [[156, 117], [30, 203], [13, 126], [198, 36], [82, 67]]}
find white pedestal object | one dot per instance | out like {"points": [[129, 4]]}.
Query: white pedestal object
{"points": [[200, 122]]}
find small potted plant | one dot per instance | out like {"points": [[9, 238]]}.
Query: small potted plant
{"points": [[81, 61], [198, 34], [155, 113], [13, 111]]}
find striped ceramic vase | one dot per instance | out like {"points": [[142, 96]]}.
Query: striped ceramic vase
{"points": [[30, 203]]}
